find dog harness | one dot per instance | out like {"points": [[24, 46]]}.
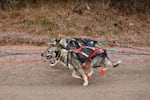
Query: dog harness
{"points": [[88, 52], [67, 44], [86, 43], [90, 43], [71, 42]]}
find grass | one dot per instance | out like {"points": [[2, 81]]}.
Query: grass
{"points": [[106, 24]]}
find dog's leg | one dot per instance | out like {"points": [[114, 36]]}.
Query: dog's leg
{"points": [[74, 74], [108, 62], [90, 72], [84, 77]]}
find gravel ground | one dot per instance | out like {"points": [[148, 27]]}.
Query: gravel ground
{"points": [[28, 77]]}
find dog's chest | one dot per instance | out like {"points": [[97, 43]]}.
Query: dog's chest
{"points": [[65, 62]]}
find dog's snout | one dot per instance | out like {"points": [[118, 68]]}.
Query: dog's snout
{"points": [[48, 57], [42, 54]]}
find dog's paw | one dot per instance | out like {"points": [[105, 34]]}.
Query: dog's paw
{"points": [[117, 63], [85, 84]]}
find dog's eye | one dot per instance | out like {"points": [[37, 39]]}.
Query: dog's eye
{"points": [[48, 50]]}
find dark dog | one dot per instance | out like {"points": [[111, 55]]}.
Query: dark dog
{"points": [[72, 43], [68, 43], [75, 60]]}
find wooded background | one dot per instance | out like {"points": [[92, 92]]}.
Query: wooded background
{"points": [[133, 5]]}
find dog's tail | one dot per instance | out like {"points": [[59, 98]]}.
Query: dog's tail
{"points": [[115, 64], [108, 62]]}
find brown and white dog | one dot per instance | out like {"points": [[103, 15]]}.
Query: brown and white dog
{"points": [[73, 61]]}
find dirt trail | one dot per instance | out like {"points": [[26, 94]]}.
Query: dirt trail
{"points": [[28, 77]]}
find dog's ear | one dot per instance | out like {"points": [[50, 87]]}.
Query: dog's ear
{"points": [[49, 44], [52, 40], [58, 38]]}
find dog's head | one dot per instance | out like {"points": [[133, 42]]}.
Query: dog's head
{"points": [[51, 54], [54, 55]]}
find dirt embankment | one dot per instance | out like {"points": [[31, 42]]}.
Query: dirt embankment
{"points": [[36, 25]]}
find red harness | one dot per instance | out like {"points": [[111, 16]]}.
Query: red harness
{"points": [[88, 57]]}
